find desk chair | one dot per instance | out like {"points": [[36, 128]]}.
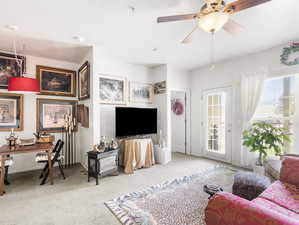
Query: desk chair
{"points": [[7, 163], [55, 157]]}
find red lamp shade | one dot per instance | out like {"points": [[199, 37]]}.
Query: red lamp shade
{"points": [[23, 84]]}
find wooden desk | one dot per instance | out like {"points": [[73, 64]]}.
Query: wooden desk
{"points": [[6, 150]]}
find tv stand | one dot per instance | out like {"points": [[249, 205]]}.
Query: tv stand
{"points": [[149, 136], [137, 153]]}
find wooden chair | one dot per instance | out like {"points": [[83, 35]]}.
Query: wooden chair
{"points": [[7, 163], [56, 157]]}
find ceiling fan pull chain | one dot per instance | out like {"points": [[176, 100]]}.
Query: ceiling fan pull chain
{"points": [[213, 50]]}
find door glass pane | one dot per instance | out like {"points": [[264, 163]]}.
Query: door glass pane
{"points": [[216, 122]]}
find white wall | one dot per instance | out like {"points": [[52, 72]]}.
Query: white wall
{"points": [[86, 134], [108, 64], [158, 74], [228, 73], [24, 162], [179, 80]]}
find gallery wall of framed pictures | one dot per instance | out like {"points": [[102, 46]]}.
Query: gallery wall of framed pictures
{"points": [[68, 85], [117, 90]]}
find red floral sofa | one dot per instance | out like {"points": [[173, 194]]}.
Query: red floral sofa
{"points": [[277, 205]]}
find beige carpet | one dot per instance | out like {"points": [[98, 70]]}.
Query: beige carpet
{"points": [[74, 201], [181, 201]]}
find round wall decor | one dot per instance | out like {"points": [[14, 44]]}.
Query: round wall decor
{"points": [[286, 58], [177, 107]]}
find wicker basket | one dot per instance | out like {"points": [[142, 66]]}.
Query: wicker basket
{"points": [[46, 139]]}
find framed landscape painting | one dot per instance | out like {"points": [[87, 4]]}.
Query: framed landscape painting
{"points": [[9, 68], [84, 81], [11, 112], [140, 92], [51, 113], [112, 90], [55, 81]]}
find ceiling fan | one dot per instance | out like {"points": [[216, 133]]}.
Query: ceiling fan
{"points": [[214, 15]]}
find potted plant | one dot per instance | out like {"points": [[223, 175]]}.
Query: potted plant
{"points": [[263, 137]]}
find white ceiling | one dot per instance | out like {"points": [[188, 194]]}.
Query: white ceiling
{"points": [[112, 24], [43, 48]]}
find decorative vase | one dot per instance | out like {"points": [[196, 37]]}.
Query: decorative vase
{"points": [[113, 144], [259, 170]]}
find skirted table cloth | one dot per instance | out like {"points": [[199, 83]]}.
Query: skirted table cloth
{"points": [[136, 154]]}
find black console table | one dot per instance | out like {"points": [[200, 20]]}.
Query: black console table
{"points": [[102, 163]]}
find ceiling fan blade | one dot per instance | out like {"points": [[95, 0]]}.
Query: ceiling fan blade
{"points": [[240, 5], [233, 27], [176, 18], [190, 36]]}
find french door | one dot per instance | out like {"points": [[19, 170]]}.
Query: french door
{"points": [[217, 124]]}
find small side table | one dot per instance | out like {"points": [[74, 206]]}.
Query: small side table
{"points": [[102, 163], [162, 155]]}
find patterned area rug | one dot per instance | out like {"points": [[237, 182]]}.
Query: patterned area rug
{"points": [[177, 202]]}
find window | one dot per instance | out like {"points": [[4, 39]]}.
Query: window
{"points": [[277, 105], [216, 122]]}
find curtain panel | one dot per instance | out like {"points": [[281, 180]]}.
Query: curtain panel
{"points": [[251, 90]]}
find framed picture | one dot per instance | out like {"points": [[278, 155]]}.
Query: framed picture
{"points": [[160, 87], [11, 112], [112, 90], [83, 115], [51, 113], [84, 81], [54, 81], [140, 92], [9, 68]]}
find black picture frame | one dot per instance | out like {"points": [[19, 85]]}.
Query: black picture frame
{"points": [[57, 111], [10, 68]]}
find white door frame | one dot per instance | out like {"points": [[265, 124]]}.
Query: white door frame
{"points": [[227, 157], [188, 117]]}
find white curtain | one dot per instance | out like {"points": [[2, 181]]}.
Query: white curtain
{"points": [[251, 90]]}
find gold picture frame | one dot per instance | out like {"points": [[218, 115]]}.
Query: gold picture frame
{"points": [[56, 81], [84, 81], [11, 112]]}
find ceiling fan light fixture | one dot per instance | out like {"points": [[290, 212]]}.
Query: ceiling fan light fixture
{"points": [[213, 22]]}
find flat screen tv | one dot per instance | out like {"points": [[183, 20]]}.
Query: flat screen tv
{"points": [[135, 121]]}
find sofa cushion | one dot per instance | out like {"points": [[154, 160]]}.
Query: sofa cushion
{"points": [[284, 195], [289, 172], [272, 168], [273, 206]]}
